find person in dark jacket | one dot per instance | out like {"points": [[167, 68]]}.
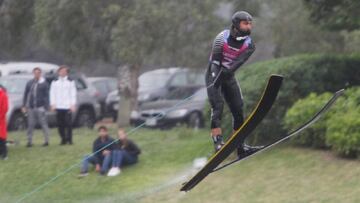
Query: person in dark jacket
{"points": [[3, 131], [125, 152], [35, 104], [101, 156]]}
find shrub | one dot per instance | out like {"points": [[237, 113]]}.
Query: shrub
{"points": [[343, 128], [301, 112]]}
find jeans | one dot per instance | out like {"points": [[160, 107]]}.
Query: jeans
{"points": [[93, 159], [64, 122], [37, 114], [122, 157]]}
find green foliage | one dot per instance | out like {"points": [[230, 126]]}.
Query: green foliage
{"points": [[301, 112], [16, 19], [303, 74], [343, 128], [165, 32], [293, 33], [335, 14], [77, 29]]}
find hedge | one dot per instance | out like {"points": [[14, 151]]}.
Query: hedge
{"points": [[301, 112]]}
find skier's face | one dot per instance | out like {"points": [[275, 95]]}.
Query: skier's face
{"points": [[245, 26]]}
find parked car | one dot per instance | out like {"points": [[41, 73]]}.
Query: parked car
{"points": [[103, 86], [13, 68], [87, 111], [164, 114], [156, 84]]}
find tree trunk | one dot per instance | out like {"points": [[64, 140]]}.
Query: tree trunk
{"points": [[128, 85]]}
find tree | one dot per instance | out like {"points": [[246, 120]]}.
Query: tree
{"points": [[335, 14], [164, 33], [79, 30], [16, 19]]}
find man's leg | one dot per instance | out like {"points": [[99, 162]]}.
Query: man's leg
{"points": [[69, 127], [3, 149], [41, 114], [31, 118], [60, 115], [116, 158], [85, 163], [106, 164], [234, 99], [128, 158], [217, 105]]}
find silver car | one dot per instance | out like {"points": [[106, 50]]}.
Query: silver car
{"points": [[87, 111]]}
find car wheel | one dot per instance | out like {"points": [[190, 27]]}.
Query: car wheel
{"points": [[18, 122], [85, 118], [194, 120]]}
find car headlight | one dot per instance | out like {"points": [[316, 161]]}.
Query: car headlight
{"points": [[177, 113]]}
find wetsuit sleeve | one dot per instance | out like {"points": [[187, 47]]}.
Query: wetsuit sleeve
{"points": [[215, 59], [243, 57], [217, 52]]}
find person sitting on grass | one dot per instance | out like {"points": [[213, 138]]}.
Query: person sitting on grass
{"points": [[101, 156], [125, 152]]}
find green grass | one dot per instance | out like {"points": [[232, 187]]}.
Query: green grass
{"points": [[164, 153], [283, 174]]}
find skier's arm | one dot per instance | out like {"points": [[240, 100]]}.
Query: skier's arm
{"points": [[216, 58]]}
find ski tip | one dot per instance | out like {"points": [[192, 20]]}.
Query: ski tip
{"points": [[341, 91], [276, 76]]}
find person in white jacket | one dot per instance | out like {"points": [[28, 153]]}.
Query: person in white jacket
{"points": [[63, 101]]}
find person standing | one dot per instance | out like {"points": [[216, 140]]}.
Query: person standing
{"points": [[35, 104], [3, 126], [63, 101]]}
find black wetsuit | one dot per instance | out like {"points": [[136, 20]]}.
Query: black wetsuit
{"points": [[228, 54]]}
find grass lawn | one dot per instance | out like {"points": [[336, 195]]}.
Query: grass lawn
{"points": [[283, 174]]}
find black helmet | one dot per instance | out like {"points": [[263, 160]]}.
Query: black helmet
{"points": [[236, 18]]}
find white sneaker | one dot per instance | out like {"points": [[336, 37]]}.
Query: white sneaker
{"points": [[114, 171]]}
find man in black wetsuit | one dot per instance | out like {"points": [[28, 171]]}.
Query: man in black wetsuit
{"points": [[231, 48]]}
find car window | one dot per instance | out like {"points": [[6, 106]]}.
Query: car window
{"points": [[179, 79], [112, 84], [196, 79], [180, 93], [14, 85], [80, 84], [153, 80], [101, 86]]}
